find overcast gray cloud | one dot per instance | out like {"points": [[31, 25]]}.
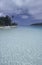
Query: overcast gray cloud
{"points": [[34, 7]]}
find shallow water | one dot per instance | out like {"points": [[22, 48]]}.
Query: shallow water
{"points": [[21, 46]]}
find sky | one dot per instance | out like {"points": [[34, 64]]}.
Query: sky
{"points": [[12, 7]]}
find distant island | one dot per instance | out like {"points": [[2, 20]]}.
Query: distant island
{"points": [[36, 24], [6, 21]]}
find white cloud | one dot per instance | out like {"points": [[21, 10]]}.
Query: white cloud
{"points": [[14, 6], [36, 9], [24, 16], [1, 14]]}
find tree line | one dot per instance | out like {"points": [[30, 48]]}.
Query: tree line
{"points": [[6, 21]]}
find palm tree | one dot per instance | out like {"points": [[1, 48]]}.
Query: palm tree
{"points": [[14, 23], [5, 21]]}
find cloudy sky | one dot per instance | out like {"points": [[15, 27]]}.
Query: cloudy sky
{"points": [[33, 7]]}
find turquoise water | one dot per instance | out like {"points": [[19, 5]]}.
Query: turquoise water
{"points": [[21, 46]]}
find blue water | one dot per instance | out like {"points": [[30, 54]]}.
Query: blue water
{"points": [[21, 46]]}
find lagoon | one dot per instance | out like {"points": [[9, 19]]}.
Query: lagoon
{"points": [[21, 45]]}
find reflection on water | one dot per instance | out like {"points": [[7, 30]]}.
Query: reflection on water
{"points": [[21, 46]]}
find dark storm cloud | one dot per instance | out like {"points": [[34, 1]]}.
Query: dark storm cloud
{"points": [[34, 7]]}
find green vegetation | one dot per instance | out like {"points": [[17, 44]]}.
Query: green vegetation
{"points": [[14, 24], [6, 21], [37, 24]]}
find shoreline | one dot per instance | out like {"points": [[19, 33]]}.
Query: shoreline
{"points": [[7, 27]]}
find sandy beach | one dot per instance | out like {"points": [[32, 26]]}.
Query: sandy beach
{"points": [[7, 27]]}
